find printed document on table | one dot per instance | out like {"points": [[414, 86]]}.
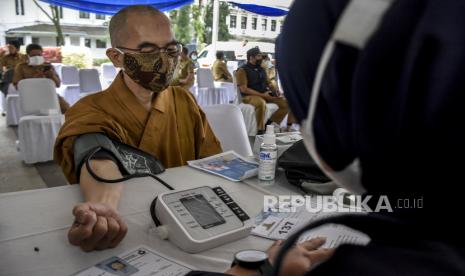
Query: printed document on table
{"points": [[229, 165], [336, 235], [139, 261], [280, 225]]}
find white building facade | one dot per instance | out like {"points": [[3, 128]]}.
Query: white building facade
{"points": [[22, 20], [249, 25]]}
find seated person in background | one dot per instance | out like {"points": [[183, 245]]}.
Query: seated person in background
{"points": [[220, 70], [140, 110], [12, 57], [270, 70], [193, 56], [184, 76], [36, 67], [257, 90], [8, 60]]}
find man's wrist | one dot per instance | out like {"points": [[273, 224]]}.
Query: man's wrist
{"points": [[110, 197]]}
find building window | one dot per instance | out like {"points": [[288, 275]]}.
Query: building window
{"points": [[87, 42], [264, 24], [84, 15], [35, 40], [244, 22], [19, 5], [254, 23], [14, 38], [100, 16], [100, 43], [232, 21], [273, 25]]}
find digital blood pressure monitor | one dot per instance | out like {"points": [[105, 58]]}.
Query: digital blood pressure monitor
{"points": [[201, 218]]}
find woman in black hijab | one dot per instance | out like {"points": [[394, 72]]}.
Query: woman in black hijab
{"points": [[388, 119], [379, 89]]}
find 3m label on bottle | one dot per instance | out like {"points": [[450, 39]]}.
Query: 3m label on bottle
{"points": [[267, 165]]}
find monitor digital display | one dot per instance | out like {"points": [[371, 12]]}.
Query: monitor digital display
{"points": [[202, 211]]}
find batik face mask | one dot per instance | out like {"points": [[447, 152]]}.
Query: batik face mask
{"points": [[153, 71]]}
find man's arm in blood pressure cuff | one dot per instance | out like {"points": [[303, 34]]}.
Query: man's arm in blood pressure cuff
{"points": [[130, 160], [85, 144]]}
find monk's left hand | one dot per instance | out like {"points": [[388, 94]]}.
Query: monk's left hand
{"points": [[97, 226]]}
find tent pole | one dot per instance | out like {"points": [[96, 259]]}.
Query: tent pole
{"points": [[216, 17]]}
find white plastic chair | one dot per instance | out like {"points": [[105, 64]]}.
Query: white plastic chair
{"points": [[228, 125], [89, 82], [207, 93], [109, 73], [38, 128], [12, 108], [69, 75], [57, 67], [69, 88]]}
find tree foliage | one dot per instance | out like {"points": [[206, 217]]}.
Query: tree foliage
{"points": [[181, 23], [223, 30]]}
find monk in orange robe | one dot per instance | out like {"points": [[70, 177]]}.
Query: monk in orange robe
{"points": [[139, 109]]}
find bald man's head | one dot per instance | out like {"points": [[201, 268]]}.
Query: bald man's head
{"points": [[127, 19]]}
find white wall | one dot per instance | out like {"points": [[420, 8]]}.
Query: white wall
{"points": [[33, 14], [248, 31], [47, 41]]}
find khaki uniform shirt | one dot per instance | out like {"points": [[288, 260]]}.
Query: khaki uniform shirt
{"points": [[26, 71], [220, 71], [184, 69], [10, 61]]}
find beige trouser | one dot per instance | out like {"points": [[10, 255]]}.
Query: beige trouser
{"points": [[260, 108]]}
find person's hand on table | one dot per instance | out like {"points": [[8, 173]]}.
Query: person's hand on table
{"points": [[302, 257], [297, 261], [97, 226]]}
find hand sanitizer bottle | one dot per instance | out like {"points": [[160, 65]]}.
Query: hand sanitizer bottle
{"points": [[268, 155]]}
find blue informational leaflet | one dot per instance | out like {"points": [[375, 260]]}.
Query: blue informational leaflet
{"points": [[229, 165]]}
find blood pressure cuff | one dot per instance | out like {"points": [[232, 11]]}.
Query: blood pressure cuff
{"points": [[130, 160]]}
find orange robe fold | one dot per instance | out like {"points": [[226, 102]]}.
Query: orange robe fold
{"points": [[174, 131]]}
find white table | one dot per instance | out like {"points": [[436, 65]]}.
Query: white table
{"points": [[41, 218]]}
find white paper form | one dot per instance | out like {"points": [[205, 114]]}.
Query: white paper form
{"points": [[280, 225], [139, 261], [336, 235]]}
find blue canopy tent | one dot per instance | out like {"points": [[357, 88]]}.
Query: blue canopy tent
{"points": [[110, 7], [264, 7]]}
